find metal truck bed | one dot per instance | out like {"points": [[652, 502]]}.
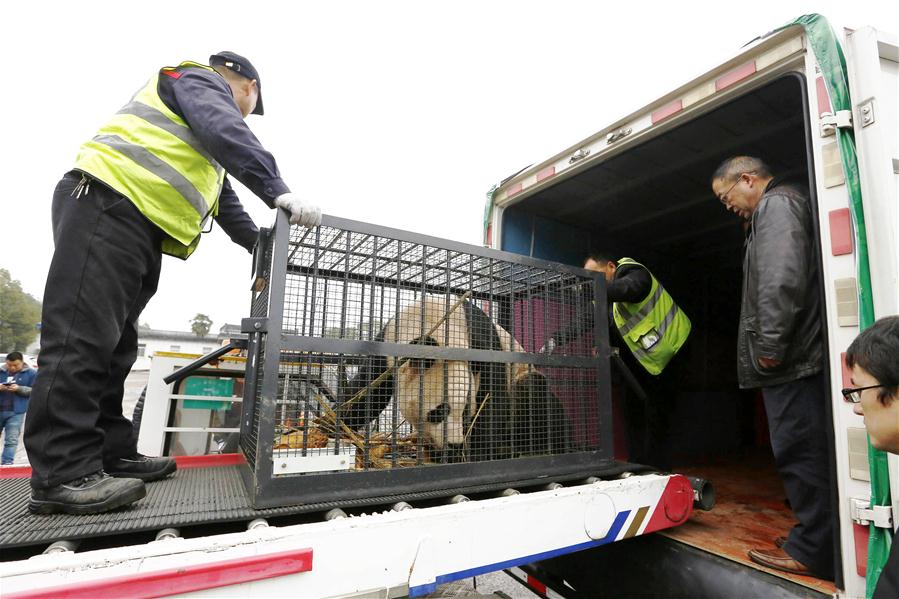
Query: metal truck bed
{"points": [[204, 490], [383, 553]]}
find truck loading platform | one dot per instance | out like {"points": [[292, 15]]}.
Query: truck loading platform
{"points": [[204, 490]]}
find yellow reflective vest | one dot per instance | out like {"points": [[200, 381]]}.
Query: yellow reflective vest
{"points": [[148, 154], [653, 329]]}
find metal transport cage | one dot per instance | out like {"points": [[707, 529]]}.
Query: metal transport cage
{"points": [[386, 365]]}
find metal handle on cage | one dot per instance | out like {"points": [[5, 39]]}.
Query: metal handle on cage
{"points": [[186, 371], [257, 276]]}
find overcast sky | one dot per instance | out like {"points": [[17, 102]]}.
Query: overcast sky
{"points": [[397, 113]]}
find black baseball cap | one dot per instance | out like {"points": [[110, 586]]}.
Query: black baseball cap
{"points": [[242, 67]]}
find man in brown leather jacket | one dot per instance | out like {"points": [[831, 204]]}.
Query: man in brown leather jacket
{"points": [[780, 349]]}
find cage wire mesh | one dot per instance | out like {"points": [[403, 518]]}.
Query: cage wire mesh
{"points": [[403, 354]]}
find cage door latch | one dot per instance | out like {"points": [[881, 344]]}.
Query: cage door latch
{"points": [[254, 325], [862, 512]]}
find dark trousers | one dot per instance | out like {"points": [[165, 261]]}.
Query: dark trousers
{"points": [[105, 268], [648, 421], [799, 441]]}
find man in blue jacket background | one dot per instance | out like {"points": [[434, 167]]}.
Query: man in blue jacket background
{"points": [[16, 380]]}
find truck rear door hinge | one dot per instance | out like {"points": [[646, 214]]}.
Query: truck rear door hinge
{"points": [[862, 512], [831, 122]]}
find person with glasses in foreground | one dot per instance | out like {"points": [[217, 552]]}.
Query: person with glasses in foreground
{"points": [[874, 360], [780, 349]]}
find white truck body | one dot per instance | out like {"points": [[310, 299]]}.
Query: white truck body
{"points": [[872, 65], [409, 552]]}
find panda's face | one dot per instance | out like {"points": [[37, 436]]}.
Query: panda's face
{"points": [[437, 397]]}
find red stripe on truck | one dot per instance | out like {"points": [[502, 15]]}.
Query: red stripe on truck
{"points": [[15, 472], [536, 585], [186, 579], [840, 232], [183, 461], [846, 372], [209, 461], [741, 72], [823, 98], [665, 111], [674, 507], [546, 173], [513, 189], [860, 535]]}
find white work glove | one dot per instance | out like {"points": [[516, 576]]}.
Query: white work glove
{"points": [[548, 347], [301, 212]]}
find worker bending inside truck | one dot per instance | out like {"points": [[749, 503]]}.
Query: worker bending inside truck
{"points": [[653, 329], [145, 185], [780, 350]]}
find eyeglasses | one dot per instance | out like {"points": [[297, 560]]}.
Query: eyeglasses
{"points": [[854, 394], [723, 197]]}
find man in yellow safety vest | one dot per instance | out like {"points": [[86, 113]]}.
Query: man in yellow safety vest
{"points": [[654, 329], [144, 185]]}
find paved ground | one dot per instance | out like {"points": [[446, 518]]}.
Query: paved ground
{"points": [[486, 584]]}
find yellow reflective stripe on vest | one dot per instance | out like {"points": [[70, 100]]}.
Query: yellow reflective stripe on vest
{"points": [[156, 117], [643, 312], [148, 153], [167, 173], [656, 322], [669, 318]]}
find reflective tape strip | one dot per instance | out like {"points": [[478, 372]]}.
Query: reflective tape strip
{"points": [[639, 353], [157, 118], [669, 318], [642, 312], [166, 172]]}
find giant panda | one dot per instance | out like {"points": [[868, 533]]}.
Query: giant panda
{"points": [[441, 398]]}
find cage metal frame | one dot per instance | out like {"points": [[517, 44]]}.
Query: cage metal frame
{"points": [[267, 340]]}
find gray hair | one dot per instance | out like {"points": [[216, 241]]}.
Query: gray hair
{"points": [[734, 166]]}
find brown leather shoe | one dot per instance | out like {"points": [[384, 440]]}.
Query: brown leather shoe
{"points": [[778, 559], [780, 542]]}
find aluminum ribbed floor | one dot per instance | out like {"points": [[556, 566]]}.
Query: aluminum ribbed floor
{"points": [[190, 497]]}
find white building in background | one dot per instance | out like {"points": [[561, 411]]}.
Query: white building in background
{"points": [[150, 341]]}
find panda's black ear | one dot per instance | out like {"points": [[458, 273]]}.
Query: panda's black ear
{"points": [[481, 329], [371, 404], [539, 423]]}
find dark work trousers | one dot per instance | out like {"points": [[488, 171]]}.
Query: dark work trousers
{"points": [[648, 422], [799, 441], [104, 270]]}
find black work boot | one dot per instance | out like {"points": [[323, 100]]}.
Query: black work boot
{"points": [[97, 492], [140, 466]]}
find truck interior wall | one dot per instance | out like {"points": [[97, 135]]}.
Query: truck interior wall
{"points": [[654, 203]]}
